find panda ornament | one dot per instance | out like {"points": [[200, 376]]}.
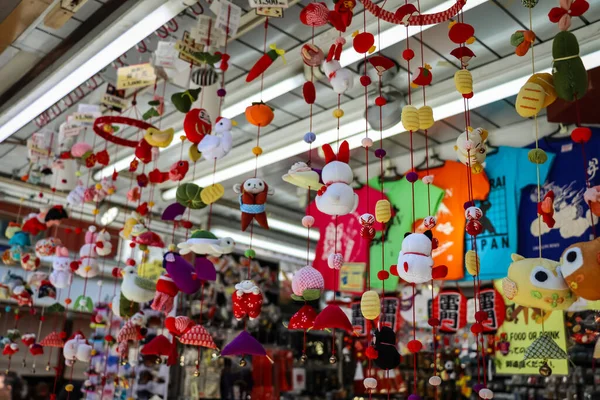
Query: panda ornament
{"points": [[415, 262]]}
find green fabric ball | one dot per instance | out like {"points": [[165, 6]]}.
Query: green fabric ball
{"points": [[250, 253], [517, 38], [188, 195], [570, 75], [537, 156], [529, 3]]}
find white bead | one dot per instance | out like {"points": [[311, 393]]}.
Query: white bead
{"points": [[435, 381], [370, 383], [486, 394], [367, 142], [308, 221]]}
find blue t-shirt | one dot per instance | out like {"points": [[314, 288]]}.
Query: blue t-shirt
{"points": [[509, 171], [571, 213]]}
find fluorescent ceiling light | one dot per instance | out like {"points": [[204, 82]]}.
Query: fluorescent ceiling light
{"points": [[85, 71], [264, 244], [398, 33], [293, 229], [274, 156], [268, 94], [124, 162]]}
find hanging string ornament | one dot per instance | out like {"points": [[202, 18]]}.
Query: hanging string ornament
{"points": [[253, 194], [341, 79]]}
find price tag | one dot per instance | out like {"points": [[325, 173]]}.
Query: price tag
{"points": [[67, 130], [271, 12], [134, 76], [228, 16], [205, 31], [268, 3], [187, 51]]}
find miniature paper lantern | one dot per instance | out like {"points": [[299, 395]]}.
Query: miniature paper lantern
{"points": [[492, 305], [463, 80], [383, 211], [426, 120], [450, 308]]}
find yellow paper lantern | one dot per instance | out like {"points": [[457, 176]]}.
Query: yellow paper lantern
{"points": [[369, 305], [463, 80], [530, 100], [410, 118], [426, 120], [472, 262], [212, 193], [383, 211]]}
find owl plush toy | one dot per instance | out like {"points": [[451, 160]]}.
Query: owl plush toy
{"points": [[580, 266]]}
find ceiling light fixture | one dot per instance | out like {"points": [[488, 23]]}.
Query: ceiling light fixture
{"points": [[264, 244], [293, 229], [145, 27], [272, 157]]}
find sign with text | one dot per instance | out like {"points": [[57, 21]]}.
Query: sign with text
{"points": [[268, 3], [133, 76], [352, 277], [228, 16]]}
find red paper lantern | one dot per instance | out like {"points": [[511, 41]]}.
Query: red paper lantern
{"points": [[450, 308], [491, 303]]}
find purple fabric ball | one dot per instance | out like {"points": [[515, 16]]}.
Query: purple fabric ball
{"points": [[478, 386], [414, 397], [468, 204], [380, 153], [412, 177], [221, 92]]}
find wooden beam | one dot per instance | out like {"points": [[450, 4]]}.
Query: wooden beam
{"points": [[19, 19], [62, 12]]}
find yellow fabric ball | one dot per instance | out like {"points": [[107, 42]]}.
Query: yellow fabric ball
{"points": [[182, 138], [369, 305], [69, 388], [383, 211], [463, 80], [150, 204], [95, 211], [338, 113], [110, 191], [98, 186], [257, 150]]}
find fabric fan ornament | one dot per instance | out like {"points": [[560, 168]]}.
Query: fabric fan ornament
{"points": [[161, 346], [568, 8], [303, 319], [545, 348], [198, 336], [332, 317], [244, 344], [181, 272]]}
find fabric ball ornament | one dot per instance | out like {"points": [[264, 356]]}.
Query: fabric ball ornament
{"points": [[310, 137], [426, 120], [412, 177], [249, 253], [338, 113], [380, 101], [308, 221], [463, 81], [370, 383], [429, 222], [529, 3], [474, 227], [383, 211], [47, 247], [537, 156], [435, 381], [473, 213], [380, 153], [335, 261], [408, 54], [366, 142], [370, 306], [221, 92], [383, 275], [205, 76], [259, 114], [315, 14], [309, 92], [486, 394], [363, 42], [410, 118], [189, 196], [414, 346], [581, 135], [365, 80]]}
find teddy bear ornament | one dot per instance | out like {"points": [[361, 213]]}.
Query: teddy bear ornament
{"points": [[337, 196]]}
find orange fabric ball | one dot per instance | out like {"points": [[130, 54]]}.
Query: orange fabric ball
{"points": [[259, 114]]}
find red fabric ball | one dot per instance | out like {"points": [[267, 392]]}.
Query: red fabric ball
{"points": [[380, 101], [481, 316], [363, 42], [468, 95], [309, 92], [74, 265], [365, 80], [63, 335], [116, 272], [42, 318], [68, 230], [383, 275], [433, 322], [477, 328], [371, 353], [414, 346], [474, 227], [77, 231], [109, 338], [186, 224], [394, 270], [132, 245], [408, 54], [581, 135], [130, 262]]}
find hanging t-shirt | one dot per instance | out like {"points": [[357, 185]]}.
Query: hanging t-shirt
{"points": [[509, 171], [399, 194], [450, 228], [571, 213], [350, 244]]}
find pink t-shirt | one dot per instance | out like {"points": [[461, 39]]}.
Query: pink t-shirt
{"points": [[350, 244]]}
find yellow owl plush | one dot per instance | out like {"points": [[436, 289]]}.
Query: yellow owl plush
{"points": [[536, 283]]}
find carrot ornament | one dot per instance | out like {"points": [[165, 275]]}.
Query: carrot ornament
{"points": [[265, 62]]}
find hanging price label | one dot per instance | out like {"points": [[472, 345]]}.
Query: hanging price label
{"points": [[205, 32], [272, 12], [228, 16], [268, 3], [134, 76]]}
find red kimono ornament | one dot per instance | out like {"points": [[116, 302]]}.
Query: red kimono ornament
{"points": [[166, 290], [247, 300], [545, 209]]}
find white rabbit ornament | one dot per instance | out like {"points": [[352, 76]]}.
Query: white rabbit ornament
{"points": [[337, 196], [341, 79]]}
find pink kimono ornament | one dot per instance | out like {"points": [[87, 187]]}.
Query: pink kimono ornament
{"points": [[166, 290], [247, 300], [133, 331], [337, 196], [88, 258]]}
